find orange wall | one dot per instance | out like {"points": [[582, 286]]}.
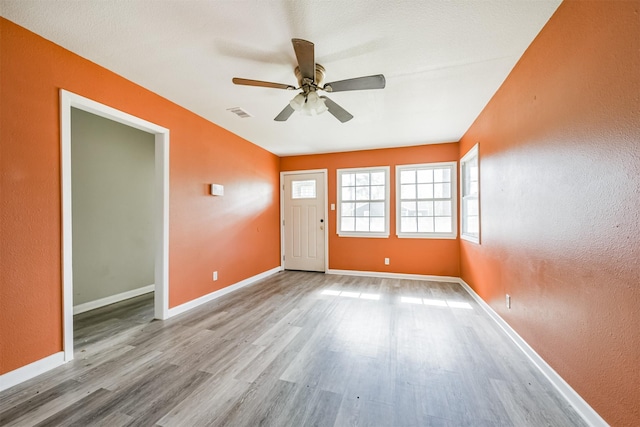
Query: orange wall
{"points": [[560, 197], [237, 235], [412, 256]]}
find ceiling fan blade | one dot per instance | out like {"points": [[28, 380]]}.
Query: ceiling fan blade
{"points": [[359, 83], [248, 82], [284, 114], [337, 111], [306, 59]]}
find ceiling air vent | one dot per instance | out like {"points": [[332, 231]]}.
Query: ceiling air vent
{"points": [[239, 112]]}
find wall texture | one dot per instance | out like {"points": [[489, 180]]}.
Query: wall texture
{"points": [[113, 207], [237, 235], [411, 256], [560, 202]]}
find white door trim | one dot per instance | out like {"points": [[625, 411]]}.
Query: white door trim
{"points": [[161, 210], [326, 211]]}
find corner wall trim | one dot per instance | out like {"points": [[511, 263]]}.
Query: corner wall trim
{"points": [[587, 413], [31, 370], [386, 275], [220, 292], [112, 299]]}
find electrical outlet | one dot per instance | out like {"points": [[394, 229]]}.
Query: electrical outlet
{"points": [[508, 301], [215, 276], [386, 261]]}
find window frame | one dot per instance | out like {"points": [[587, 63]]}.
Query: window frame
{"points": [[302, 197], [472, 156], [454, 201], [387, 202]]}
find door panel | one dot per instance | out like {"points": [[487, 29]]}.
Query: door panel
{"points": [[304, 234]]}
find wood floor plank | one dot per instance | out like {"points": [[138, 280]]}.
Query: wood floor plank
{"points": [[208, 404], [295, 349]]}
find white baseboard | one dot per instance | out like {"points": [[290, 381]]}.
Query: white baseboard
{"points": [[31, 370], [41, 366], [386, 275], [217, 294], [587, 413], [92, 305], [590, 416]]}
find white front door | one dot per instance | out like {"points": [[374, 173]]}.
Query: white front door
{"points": [[304, 221]]}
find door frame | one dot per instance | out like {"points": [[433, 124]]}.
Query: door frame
{"points": [[326, 213], [161, 208]]}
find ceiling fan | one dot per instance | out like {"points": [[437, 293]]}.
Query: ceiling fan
{"points": [[310, 80]]}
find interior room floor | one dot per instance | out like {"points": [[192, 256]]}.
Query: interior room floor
{"points": [[295, 349]]}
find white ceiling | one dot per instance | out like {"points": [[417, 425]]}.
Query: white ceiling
{"points": [[443, 60]]}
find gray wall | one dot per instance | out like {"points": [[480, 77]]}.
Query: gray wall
{"points": [[112, 168]]}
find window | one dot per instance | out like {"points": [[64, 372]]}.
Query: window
{"points": [[426, 200], [303, 189], [363, 202], [470, 195]]}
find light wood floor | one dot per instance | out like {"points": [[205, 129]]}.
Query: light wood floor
{"points": [[285, 352]]}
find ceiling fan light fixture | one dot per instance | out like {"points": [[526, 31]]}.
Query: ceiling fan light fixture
{"points": [[314, 105], [298, 102]]}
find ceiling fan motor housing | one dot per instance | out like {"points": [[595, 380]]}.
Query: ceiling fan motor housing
{"points": [[320, 73]]}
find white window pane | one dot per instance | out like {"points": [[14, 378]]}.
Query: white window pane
{"points": [[348, 179], [442, 208], [473, 226], [442, 175], [377, 209], [425, 208], [441, 191], [425, 224], [425, 175], [408, 176], [303, 189], [472, 206], [377, 192], [442, 224], [363, 201], [362, 224], [377, 224], [408, 209], [348, 209], [473, 187], [362, 209], [378, 178], [408, 191], [425, 191], [362, 178], [408, 225], [362, 193], [348, 193], [348, 224]]}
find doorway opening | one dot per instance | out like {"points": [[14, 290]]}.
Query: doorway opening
{"points": [[159, 210]]}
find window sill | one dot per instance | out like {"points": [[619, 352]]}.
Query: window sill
{"points": [[472, 239], [365, 235], [427, 236]]}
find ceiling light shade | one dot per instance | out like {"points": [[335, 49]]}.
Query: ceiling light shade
{"points": [[297, 102], [309, 105], [314, 105]]}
